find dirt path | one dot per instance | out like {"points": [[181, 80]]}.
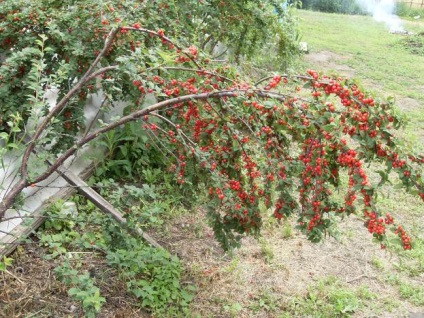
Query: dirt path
{"points": [[331, 62]]}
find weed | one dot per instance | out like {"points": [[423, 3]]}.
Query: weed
{"points": [[82, 288], [327, 298], [232, 267], [413, 44], [266, 250], [414, 294], [377, 263], [411, 263], [7, 261], [408, 291], [286, 230], [364, 293], [57, 218], [146, 205], [264, 302], [232, 309], [151, 275]]}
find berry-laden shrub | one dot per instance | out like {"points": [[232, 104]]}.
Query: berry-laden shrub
{"points": [[76, 31], [282, 142]]}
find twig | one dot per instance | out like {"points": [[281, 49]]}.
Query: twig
{"points": [[14, 276], [359, 277], [186, 69]]}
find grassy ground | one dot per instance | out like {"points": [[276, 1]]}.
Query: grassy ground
{"points": [[371, 54], [374, 53], [280, 275]]}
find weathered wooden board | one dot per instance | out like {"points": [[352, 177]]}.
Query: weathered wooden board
{"points": [[21, 230], [101, 203], [60, 185]]}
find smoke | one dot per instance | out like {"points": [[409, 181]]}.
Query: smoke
{"points": [[383, 11]]}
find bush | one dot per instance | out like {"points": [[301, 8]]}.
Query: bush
{"points": [[327, 5], [74, 31], [333, 6], [403, 10], [274, 146]]}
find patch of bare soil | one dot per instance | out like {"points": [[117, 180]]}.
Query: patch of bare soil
{"points": [[408, 104], [282, 268], [329, 61]]}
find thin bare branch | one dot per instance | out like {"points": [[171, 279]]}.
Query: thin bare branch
{"points": [[186, 69]]}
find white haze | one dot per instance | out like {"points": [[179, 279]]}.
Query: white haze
{"points": [[382, 11]]}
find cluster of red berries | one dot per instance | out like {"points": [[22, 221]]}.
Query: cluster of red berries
{"points": [[273, 83], [374, 224], [406, 241]]}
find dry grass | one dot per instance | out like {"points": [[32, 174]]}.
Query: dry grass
{"points": [[280, 269], [30, 289], [261, 279]]}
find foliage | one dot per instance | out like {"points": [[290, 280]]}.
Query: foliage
{"points": [[264, 301], [326, 5], [413, 263], [82, 290], [130, 153], [413, 292], [151, 275], [5, 262], [333, 6], [149, 204], [405, 10], [233, 309]]}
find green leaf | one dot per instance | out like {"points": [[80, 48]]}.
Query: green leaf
{"points": [[329, 127]]}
